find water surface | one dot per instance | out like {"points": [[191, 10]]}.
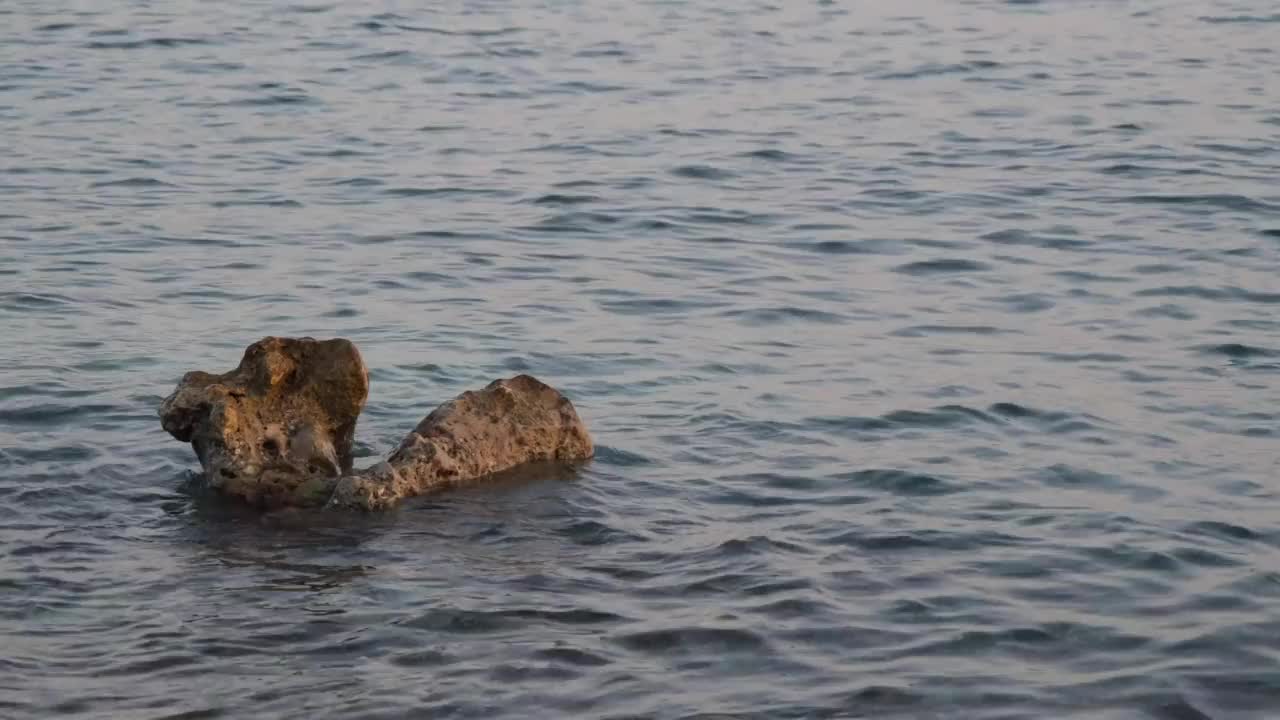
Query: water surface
{"points": [[932, 349]]}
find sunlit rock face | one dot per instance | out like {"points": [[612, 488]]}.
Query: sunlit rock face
{"points": [[508, 423], [278, 430]]}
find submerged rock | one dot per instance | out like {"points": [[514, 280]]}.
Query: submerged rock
{"points": [[278, 430], [510, 422]]}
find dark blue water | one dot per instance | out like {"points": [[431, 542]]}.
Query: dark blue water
{"points": [[932, 349]]}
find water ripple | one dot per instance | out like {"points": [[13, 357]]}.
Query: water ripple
{"points": [[930, 353]]}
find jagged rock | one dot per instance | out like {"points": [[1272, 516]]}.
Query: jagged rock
{"points": [[510, 422], [279, 429]]}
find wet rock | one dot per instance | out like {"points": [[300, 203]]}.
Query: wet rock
{"points": [[279, 429], [509, 423]]}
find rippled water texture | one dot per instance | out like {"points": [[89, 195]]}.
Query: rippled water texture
{"points": [[932, 348]]}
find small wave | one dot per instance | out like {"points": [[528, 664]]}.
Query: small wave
{"points": [[770, 154], [1015, 236], [565, 199], [423, 659], [1238, 351], [579, 221], [620, 458], [1024, 412], [701, 172], [915, 331], [741, 583], [1127, 557], [727, 217], [851, 247], [133, 182], [1205, 293], [1221, 530], [495, 32], [1244, 19], [455, 621], [1202, 557], [1069, 476], [1172, 311], [309, 9], [934, 69], [937, 541], [276, 99], [277, 203], [160, 42], [1146, 171], [1219, 201], [900, 482], [750, 498], [942, 266], [342, 312], [572, 656], [757, 545], [580, 87], [592, 533], [397, 55], [604, 49], [1028, 302], [572, 616], [155, 665], [783, 314], [1097, 357], [794, 608], [446, 191], [656, 305], [33, 301], [693, 639], [358, 182], [945, 416], [201, 242], [1084, 276]]}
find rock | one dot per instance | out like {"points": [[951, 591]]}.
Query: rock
{"points": [[509, 423], [279, 429]]}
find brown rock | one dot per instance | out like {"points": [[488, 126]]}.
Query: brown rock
{"points": [[508, 423], [278, 430]]}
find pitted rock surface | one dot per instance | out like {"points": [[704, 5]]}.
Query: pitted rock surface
{"points": [[279, 429], [509, 423]]}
